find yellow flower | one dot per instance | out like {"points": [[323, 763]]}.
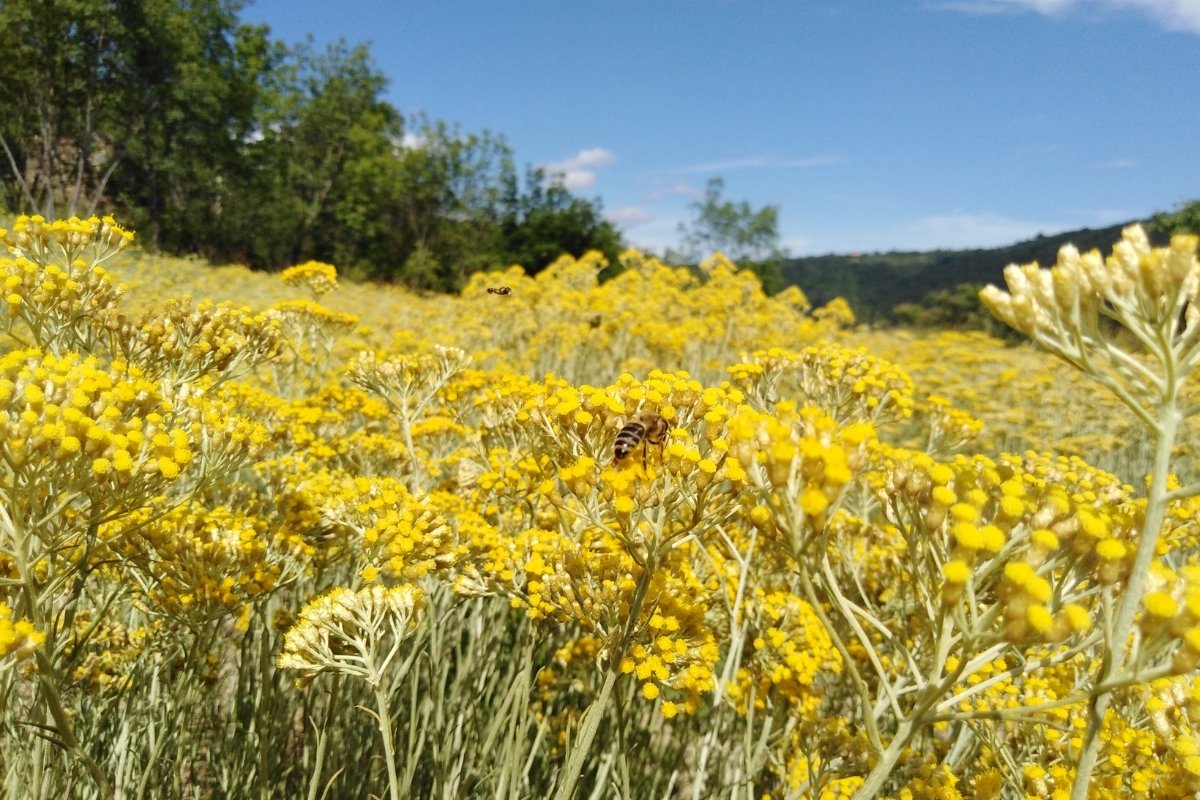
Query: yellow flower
{"points": [[956, 572]]}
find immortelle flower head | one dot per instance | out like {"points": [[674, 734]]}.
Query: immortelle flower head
{"points": [[67, 423], [17, 635], [1151, 292], [64, 241], [352, 633], [318, 277]]}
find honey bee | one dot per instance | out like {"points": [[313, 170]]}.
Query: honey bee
{"points": [[499, 290], [646, 429]]}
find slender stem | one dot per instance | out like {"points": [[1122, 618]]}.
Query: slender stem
{"points": [[590, 723], [918, 716], [1114, 655], [864, 694], [314, 783], [406, 421], [587, 732], [737, 637], [389, 748], [48, 679]]}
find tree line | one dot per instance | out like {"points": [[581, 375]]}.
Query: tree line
{"points": [[208, 136]]}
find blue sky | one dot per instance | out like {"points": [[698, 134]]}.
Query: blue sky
{"points": [[894, 124]]}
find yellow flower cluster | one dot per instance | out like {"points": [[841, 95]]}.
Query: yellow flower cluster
{"points": [[66, 241], [183, 345], [353, 633], [408, 383], [69, 423], [849, 384], [784, 557], [1022, 532], [17, 636], [107, 651], [801, 461], [197, 563], [306, 315], [1045, 303], [316, 276], [406, 535], [792, 651]]}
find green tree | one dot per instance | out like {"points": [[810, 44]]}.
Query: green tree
{"points": [[546, 221], [747, 236], [125, 103], [60, 84], [447, 195], [320, 162], [190, 112], [1185, 219], [208, 137]]}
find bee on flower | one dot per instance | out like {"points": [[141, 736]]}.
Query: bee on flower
{"points": [[646, 429]]}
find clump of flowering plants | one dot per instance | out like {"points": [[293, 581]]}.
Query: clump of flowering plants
{"points": [[807, 570], [1130, 322]]}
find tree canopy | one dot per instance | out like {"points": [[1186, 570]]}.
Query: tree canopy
{"points": [[747, 236], [207, 136], [1184, 219]]}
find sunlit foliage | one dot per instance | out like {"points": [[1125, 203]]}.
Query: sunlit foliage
{"points": [[300, 536]]}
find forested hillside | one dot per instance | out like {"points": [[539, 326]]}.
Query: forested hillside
{"points": [[875, 283]]}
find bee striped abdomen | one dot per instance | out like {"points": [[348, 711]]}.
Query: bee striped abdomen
{"points": [[628, 438], [647, 429]]}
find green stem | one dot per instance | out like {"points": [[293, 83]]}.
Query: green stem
{"points": [[590, 724], [406, 421], [1131, 596], [314, 783], [587, 732], [389, 748], [917, 718], [48, 679], [47, 675]]}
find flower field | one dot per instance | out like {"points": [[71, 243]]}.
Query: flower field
{"points": [[279, 536]]}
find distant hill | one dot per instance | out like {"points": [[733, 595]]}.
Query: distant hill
{"points": [[874, 283]]}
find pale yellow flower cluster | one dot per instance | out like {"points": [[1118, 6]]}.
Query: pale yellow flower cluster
{"points": [[352, 633], [665, 509]]}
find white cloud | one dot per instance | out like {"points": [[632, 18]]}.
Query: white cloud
{"points": [[629, 216], [962, 231], [1116, 163], [985, 7], [757, 162], [1100, 217], [412, 141], [579, 171], [1175, 15], [664, 189], [798, 244]]}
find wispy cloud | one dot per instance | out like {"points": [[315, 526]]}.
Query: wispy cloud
{"points": [[988, 7], [629, 216], [963, 230], [1175, 15], [798, 244], [1116, 163], [579, 171], [1100, 217], [664, 188], [757, 162]]}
